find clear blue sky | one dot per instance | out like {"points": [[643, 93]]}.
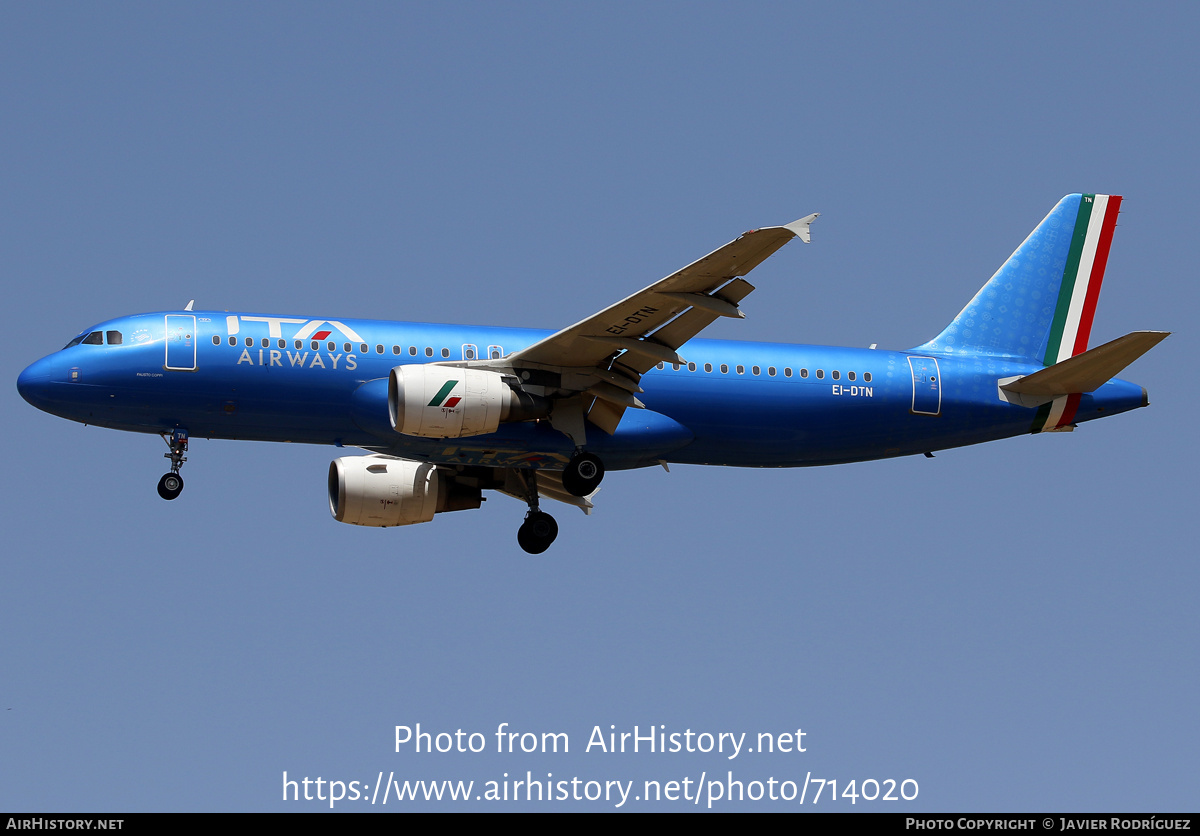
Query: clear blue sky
{"points": [[1013, 625]]}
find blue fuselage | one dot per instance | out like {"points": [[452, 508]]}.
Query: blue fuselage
{"points": [[273, 378]]}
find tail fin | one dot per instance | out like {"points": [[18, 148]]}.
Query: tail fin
{"points": [[1039, 305]]}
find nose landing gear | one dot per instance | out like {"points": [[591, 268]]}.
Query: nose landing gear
{"points": [[171, 484]]}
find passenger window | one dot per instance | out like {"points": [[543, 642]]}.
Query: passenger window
{"points": [[250, 342], [675, 366], [804, 372], [298, 344], [691, 367], [395, 349], [114, 337], [787, 371], [771, 371], [233, 340], [850, 375], [867, 377], [362, 349], [412, 351], [661, 365], [755, 369], [314, 345], [216, 340], [379, 349], [724, 368], [741, 369], [265, 342], [820, 374], [836, 374], [428, 351], [445, 352], [332, 346], [708, 367]]}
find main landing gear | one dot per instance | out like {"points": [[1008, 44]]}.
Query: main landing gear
{"points": [[538, 531], [171, 484], [581, 477], [582, 474]]}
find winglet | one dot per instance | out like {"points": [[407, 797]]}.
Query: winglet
{"points": [[800, 228]]}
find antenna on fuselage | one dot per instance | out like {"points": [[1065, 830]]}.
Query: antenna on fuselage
{"points": [[189, 305]]}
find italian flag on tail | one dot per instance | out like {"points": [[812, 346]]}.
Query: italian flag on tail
{"points": [[1077, 295]]}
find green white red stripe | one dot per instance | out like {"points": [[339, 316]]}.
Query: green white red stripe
{"points": [[1058, 413], [1077, 297], [1082, 277]]}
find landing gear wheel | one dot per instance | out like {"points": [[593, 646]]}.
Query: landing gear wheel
{"points": [[170, 485], [537, 532], [582, 474]]}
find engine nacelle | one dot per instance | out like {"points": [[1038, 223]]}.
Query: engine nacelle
{"points": [[382, 491], [447, 402]]}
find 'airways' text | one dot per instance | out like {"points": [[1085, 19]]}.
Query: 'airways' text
{"points": [[301, 359]]}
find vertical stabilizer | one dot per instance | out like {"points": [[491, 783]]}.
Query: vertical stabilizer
{"points": [[1040, 304]]}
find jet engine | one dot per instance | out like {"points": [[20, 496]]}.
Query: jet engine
{"points": [[445, 402], [382, 491]]}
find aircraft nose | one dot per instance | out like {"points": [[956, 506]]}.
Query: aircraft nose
{"points": [[34, 383]]}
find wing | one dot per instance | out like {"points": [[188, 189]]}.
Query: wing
{"points": [[549, 486], [604, 356]]}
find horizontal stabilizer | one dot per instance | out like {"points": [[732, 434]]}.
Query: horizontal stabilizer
{"points": [[1089, 371]]}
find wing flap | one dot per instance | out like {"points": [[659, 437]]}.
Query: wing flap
{"points": [[691, 322], [606, 415]]}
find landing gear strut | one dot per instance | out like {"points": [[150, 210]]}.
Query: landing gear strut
{"points": [[582, 474], [538, 531], [171, 484]]}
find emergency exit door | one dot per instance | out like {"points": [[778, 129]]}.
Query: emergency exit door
{"points": [[927, 386]]}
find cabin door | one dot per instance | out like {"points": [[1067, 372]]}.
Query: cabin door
{"points": [[181, 342]]}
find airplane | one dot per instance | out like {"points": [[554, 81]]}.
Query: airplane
{"points": [[446, 412]]}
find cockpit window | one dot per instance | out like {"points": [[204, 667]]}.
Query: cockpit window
{"points": [[97, 338]]}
